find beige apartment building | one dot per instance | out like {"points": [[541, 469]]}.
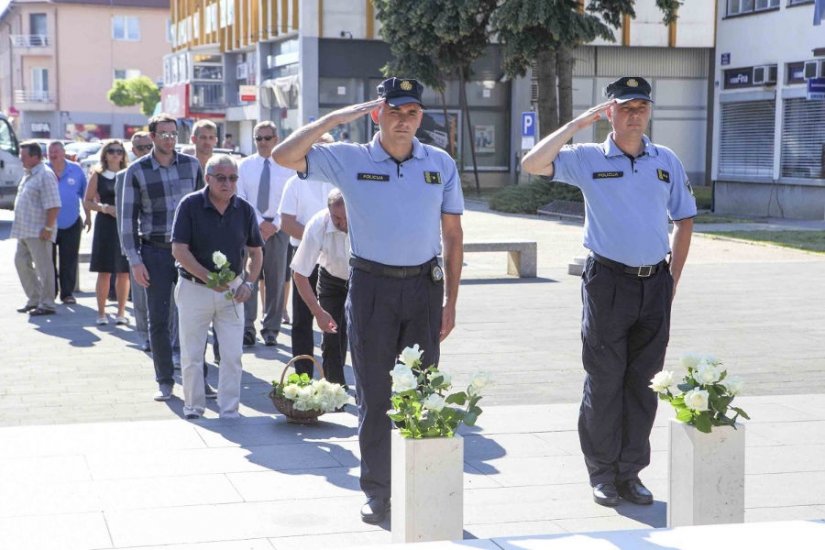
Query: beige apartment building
{"points": [[59, 58]]}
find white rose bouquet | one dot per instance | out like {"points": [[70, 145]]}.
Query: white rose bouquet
{"points": [[308, 394], [422, 403], [703, 398], [223, 276]]}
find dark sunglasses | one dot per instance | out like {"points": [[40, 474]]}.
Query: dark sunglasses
{"points": [[114, 151], [142, 147], [223, 179], [264, 138]]}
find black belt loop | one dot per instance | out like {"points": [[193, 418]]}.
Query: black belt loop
{"points": [[396, 272], [642, 272], [157, 242], [189, 277]]}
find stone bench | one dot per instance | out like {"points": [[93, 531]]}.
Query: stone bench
{"points": [[521, 255]]}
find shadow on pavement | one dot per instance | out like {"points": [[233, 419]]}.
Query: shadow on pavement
{"points": [[654, 515]]}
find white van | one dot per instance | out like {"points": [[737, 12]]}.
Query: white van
{"points": [[11, 169]]}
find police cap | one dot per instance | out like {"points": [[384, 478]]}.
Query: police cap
{"points": [[400, 91], [628, 88]]}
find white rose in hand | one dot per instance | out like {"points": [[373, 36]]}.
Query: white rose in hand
{"points": [[696, 400], [662, 381], [219, 259]]}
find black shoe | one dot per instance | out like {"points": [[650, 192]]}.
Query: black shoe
{"points": [[633, 491], [248, 338], [271, 339], [606, 494], [375, 510], [146, 346], [26, 309], [192, 416], [36, 312]]}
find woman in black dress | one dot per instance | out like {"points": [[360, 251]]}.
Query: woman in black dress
{"points": [[107, 257]]}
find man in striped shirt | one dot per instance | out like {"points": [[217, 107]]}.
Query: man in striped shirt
{"points": [[153, 187]]}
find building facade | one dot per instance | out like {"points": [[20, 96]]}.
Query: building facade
{"points": [[769, 104], [59, 58], [292, 61]]}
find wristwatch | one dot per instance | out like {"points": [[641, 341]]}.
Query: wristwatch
{"points": [[50, 229], [249, 284]]}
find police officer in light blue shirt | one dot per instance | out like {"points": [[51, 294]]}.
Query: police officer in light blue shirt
{"points": [[631, 187], [402, 198]]}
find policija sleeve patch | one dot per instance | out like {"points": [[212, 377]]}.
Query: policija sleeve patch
{"points": [[607, 175], [432, 177], [663, 175], [363, 176]]}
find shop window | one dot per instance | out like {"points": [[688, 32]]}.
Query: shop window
{"points": [[803, 139], [746, 139]]}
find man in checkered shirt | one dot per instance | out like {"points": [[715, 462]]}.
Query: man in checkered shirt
{"points": [[153, 187], [35, 228]]}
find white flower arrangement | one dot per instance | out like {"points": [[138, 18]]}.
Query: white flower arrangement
{"points": [[311, 395], [703, 398], [423, 405]]}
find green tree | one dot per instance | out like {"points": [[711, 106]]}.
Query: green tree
{"points": [[434, 40], [544, 33], [139, 90]]}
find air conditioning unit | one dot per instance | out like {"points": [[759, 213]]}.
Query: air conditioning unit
{"points": [[764, 74], [813, 69], [242, 71]]}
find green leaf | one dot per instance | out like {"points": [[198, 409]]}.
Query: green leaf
{"points": [[741, 413], [470, 418], [458, 398], [702, 422], [684, 415]]}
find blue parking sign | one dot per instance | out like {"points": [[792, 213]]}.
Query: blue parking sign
{"points": [[529, 129]]}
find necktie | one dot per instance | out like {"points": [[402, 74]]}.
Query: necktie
{"points": [[263, 189]]}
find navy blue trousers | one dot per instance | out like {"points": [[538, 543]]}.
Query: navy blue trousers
{"points": [[625, 329], [162, 278], [385, 315]]}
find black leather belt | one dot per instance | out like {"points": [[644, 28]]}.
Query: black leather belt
{"points": [[158, 242], [643, 271], [270, 220], [189, 277], [396, 272]]}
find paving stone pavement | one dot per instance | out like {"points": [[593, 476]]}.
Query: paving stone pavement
{"points": [[119, 470]]}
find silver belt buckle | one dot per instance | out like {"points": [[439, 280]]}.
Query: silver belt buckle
{"points": [[644, 274]]}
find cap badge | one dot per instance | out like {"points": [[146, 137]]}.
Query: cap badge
{"points": [[632, 82], [406, 85]]}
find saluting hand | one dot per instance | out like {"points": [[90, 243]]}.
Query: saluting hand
{"points": [[353, 112], [592, 115]]}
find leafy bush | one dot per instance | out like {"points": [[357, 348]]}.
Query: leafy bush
{"points": [[526, 199]]}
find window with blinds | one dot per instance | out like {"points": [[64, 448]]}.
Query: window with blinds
{"points": [[803, 139], [746, 139]]}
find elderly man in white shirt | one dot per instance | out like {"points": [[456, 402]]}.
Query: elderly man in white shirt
{"points": [[261, 184], [326, 243], [302, 200]]}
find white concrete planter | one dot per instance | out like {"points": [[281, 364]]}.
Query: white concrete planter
{"points": [[427, 488], [706, 475]]}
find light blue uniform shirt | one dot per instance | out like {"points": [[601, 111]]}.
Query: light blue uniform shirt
{"points": [[393, 209], [72, 187], [627, 201]]}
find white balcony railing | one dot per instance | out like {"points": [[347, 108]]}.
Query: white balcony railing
{"points": [[29, 40], [36, 96]]}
